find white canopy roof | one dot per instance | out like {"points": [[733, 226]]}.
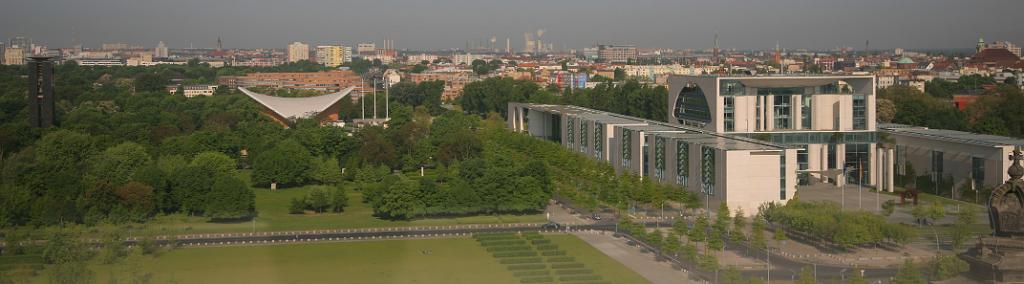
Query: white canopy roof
{"points": [[297, 107]]}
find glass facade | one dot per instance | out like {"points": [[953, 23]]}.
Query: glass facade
{"points": [[570, 131], [583, 136], [937, 163], [782, 112], [729, 114], [806, 111], [627, 148], [682, 162], [802, 164], [782, 177], [758, 108], [599, 140], [860, 113], [691, 107], [978, 172], [707, 170], [659, 158], [857, 161]]}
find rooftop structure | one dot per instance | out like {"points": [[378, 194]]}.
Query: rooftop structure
{"points": [[286, 110], [740, 171]]}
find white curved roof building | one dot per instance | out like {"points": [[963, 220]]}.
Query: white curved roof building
{"points": [[286, 110]]}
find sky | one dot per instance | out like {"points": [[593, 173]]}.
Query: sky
{"points": [[442, 24]]}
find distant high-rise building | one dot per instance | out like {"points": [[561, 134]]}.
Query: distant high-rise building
{"points": [[366, 48], [616, 53], [332, 55], [2, 51], [1013, 48], [114, 46], [20, 42], [161, 50], [298, 51], [14, 56], [40, 92]]}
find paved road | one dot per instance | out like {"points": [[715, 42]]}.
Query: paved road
{"points": [[634, 258]]}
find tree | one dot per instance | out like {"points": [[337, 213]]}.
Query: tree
{"points": [[720, 230], [857, 278], [215, 163], [946, 266], [286, 163], [297, 206], [339, 200], [780, 234], [909, 274], [739, 221], [230, 198], [699, 231], [885, 110], [318, 199], [326, 171], [965, 219], [620, 75], [672, 243], [679, 227], [806, 276], [757, 227], [118, 164], [401, 201]]}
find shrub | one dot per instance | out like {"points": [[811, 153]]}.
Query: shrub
{"points": [[543, 279], [574, 271], [502, 243], [528, 273], [566, 265], [553, 253], [508, 248], [526, 267], [505, 254], [520, 260], [579, 278], [561, 259], [547, 247], [540, 242]]}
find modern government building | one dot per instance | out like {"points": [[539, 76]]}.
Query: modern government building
{"points": [[747, 140]]}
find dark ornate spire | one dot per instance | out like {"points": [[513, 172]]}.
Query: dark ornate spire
{"points": [[1016, 170]]}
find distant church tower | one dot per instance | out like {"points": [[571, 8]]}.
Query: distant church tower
{"points": [[981, 44], [716, 48], [40, 91], [220, 45]]}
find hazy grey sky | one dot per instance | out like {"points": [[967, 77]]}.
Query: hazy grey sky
{"points": [[425, 24]]}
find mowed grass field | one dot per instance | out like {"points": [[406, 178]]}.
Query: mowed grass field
{"points": [[458, 260]]}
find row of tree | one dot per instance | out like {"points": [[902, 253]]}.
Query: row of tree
{"points": [[996, 112], [828, 223]]}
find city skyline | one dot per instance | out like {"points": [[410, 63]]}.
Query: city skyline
{"points": [[797, 24]]}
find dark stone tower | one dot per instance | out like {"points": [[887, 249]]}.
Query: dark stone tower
{"points": [[40, 92]]}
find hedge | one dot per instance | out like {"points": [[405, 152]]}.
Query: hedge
{"points": [[547, 247], [526, 267], [503, 243], [566, 265], [540, 241], [561, 259], [544, 279], [520, 260], [579, 278], [552, 252], [508, 248], [574, 271], [505, 254], [531, 273]]}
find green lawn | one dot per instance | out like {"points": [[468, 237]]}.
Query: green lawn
{"points": [[273, 216], [459, 260]]}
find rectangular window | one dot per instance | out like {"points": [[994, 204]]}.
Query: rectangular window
{"points": [[682, 162], [659, 158], [782, 175], [857, 161], [782, 111], [832, 161], [802, 164], [806, 112], [646, 159], [570, 131], [627, 148], [901, 159], [729, 115], [757, 112], [599, 140], [583, 136], [860, 121], [937, 163], [707, 170], [978, 172]]}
